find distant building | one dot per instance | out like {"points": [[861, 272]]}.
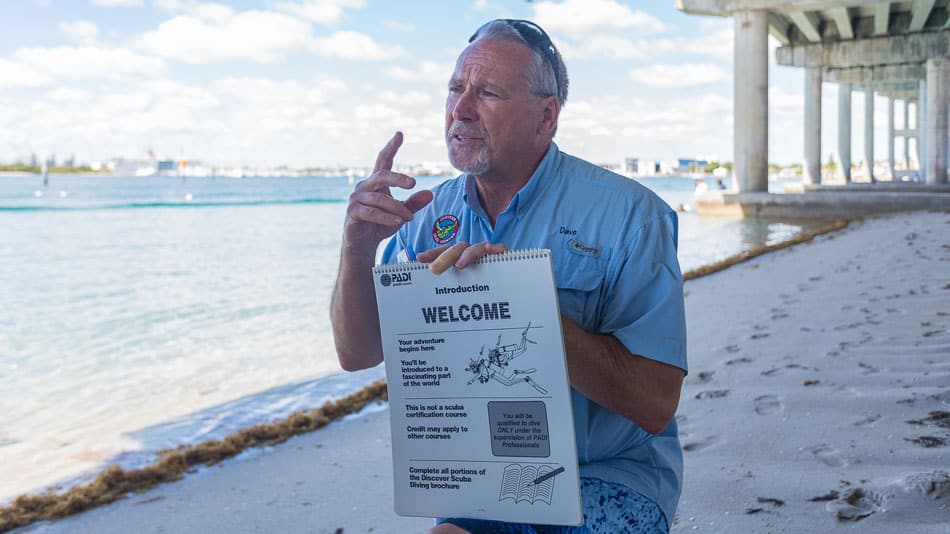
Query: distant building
{"points": [[690, 165], [631, 166]]}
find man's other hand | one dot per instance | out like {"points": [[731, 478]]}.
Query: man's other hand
{"points": [[459, 255], [373, 214]]}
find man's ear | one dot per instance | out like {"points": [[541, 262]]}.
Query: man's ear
{"points": [[549, 115]]}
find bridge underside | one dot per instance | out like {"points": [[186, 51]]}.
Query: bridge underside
{"points": [[899, 50]]}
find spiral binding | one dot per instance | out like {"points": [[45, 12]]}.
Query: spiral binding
{"points": [[511, 255]]}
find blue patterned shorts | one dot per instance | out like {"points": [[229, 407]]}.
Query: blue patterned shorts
{"points": [[608, 509]]}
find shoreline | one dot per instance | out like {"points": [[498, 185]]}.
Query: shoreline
{"points": [[111, 482]]}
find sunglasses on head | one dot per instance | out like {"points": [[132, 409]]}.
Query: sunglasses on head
{"points": [[537, 38]]}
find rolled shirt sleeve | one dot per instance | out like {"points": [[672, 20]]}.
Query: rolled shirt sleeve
{"points": [[644, 306]]}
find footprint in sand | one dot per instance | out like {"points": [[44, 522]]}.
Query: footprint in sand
{"points": [[938, 418], [934, 483], [857, 504], [704, 376], [712, 394], [734, 361], [732, 348], [778, 313], [706, 442], [848, 326], [828, 455], [867, 420], [768, 404]]}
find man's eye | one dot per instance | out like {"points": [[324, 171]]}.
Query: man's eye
{"points": [[489, 94], [455, 89]]}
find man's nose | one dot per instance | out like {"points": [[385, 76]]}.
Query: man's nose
{"points": [[464, 108]]}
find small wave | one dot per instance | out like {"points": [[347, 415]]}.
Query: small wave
{"points": [[145, 205]]}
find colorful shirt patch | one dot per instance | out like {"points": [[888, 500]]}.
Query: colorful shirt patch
{"points": [[445, 229]]}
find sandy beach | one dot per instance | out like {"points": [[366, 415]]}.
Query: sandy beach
{"points": [[818, 400]]}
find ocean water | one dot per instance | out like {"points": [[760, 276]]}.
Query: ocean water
{"points": [[143, 313]]}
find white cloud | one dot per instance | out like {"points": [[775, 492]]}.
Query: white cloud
{"points": [[211, 12], [183, 95], [354, 46], [321, 11], [281, 107], [83, 32], [374, 112], [648, 127], [90, 122], [717, 44], [399, 26], [170, 6], [427, 71], [605, 47], [679, 75], [96, 62], [13, 74], [405, 98], [781, 100], [68, 94], [253, 102], [116, 3], [583, 17], [213, 33], [271, 94]]}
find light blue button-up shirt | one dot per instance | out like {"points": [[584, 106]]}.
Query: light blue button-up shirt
{"points": [[613, 244]]}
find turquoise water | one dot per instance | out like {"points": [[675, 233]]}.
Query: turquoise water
{"points": [[142, 313]]}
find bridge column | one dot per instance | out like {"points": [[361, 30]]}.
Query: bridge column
{"points": [[869, 131], [907, 102], [751, 102], [890, 135], [812, 174], [844, 131], [922, 130], [938, 92]]}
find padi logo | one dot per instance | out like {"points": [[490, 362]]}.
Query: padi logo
{"points": [[395, 279]]}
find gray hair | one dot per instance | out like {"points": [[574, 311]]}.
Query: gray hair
{"points": [[540, 73]]}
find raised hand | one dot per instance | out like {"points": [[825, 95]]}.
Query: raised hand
{"points": [[373, 214]]}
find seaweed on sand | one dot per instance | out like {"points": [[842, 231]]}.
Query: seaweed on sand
{"points": [[115, 483]]}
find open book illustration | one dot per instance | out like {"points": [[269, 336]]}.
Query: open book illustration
{"points": [[528, 483], [494, 365]]}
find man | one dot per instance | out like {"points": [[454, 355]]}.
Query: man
{"points": [[613, 248]]}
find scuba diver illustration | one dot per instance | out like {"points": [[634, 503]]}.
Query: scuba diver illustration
{"points": [[494, 365]]}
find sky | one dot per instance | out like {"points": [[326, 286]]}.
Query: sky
{"points": [[326, 83]]}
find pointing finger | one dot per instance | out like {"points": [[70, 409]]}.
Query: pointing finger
{"points": [[384, 161], [383, 180]]}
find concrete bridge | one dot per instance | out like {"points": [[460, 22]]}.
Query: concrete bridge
{"points": [[900, 50]]}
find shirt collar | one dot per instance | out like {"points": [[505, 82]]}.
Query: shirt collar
{"points": [[523, 198]]}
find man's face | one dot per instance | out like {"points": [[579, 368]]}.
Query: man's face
{"points": [[493, 123]]}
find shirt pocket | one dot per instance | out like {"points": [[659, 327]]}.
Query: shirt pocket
{"points": [[579, 282]]}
